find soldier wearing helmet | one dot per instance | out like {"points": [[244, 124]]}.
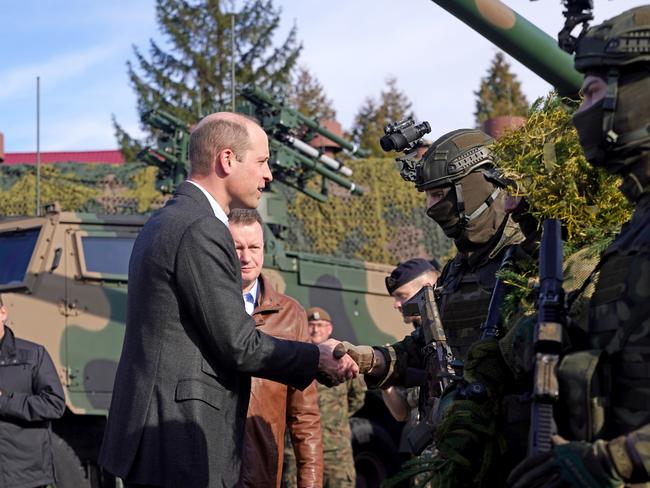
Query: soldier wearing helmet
{"points": [[465, 196], [603, 414]]}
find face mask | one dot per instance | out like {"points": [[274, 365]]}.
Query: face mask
{"points": [[631, 115], [479, 230], [589, 124], [445, 214]]}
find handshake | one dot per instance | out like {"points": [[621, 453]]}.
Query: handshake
{"points": [[341, 361]]}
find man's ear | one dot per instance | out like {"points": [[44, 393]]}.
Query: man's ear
{"points": [[224, 162]]}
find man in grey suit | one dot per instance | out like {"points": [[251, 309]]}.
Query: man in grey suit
{"points": [[182, 385]]}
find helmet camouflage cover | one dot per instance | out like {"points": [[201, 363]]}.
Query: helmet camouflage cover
{"points": [[620, 41], [452, 157], [615, 131]]}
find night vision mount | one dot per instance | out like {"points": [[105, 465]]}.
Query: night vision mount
{"points": [[577, 12], [404, 136]]}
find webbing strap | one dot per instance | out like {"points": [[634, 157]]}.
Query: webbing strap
{"points": [[609, 107], [488, 201], [460, 204]]}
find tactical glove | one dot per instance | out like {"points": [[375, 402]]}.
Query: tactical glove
{"points": [[364, 356], [575, 464]]}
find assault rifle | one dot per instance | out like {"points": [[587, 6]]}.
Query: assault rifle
{"points": [[548, 339], [492, 325], [439, 362]]}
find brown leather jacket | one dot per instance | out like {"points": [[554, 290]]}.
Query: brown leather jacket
{"points": [[274, 406]]}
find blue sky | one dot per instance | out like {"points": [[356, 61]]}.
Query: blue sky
{"points": [[80, 48]]}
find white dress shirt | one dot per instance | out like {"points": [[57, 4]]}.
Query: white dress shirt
{"points": [[250, 298]]}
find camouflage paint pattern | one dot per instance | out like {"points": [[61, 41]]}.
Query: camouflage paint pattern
{"points": [[78, 313], [524, 41]]}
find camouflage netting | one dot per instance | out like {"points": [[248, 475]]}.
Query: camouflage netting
{"points": [[123, 189], [387, 224], [545, 162]]}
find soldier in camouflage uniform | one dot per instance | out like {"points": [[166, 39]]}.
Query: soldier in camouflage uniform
{"points": [[603, 413], [337, 405], [466, 197], [604, 410]]}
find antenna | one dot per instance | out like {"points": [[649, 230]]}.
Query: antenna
{"points": [[38, 146], [232, 60]]}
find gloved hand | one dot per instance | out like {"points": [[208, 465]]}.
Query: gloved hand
{"points": [[575, 464], [364, 356]]}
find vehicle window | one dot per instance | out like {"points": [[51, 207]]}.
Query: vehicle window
{"points": [[16, 250], [107, 255]]}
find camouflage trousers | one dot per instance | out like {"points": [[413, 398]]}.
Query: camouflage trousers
{"points": [[338, 468]]}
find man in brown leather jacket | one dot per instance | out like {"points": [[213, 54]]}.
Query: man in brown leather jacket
{"points": [[274, 406]]}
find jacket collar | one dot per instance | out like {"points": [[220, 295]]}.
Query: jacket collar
{"points": [[189, 190], [8, 348], [269, 300]]}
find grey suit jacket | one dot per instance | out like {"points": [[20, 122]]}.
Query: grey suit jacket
{"points": [[182, 385]]}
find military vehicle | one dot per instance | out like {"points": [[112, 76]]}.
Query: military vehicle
{"points": [[67, 274], [63, 275]]}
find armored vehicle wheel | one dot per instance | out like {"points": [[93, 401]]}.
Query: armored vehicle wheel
{"points": [[69, 471], [374, 453]]}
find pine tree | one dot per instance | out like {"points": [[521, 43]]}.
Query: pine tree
{"points": [[307, 95], [499, 93], [193, 78], [373, 115]]}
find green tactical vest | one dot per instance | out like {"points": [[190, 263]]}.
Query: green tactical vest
{"points": [[466, 289], [605, 382]]}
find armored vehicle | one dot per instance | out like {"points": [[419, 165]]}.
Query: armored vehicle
{"points": [[63, 277]]}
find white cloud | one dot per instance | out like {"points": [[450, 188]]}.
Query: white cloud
{"points": [[20, 80]]}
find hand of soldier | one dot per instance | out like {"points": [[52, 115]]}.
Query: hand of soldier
{"points": [[577, 464], [334, 369], [364, 356]]}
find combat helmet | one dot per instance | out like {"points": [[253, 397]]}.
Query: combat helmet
{"points": [[620, 41], [616, 49], [452, 157], [448, 163]]}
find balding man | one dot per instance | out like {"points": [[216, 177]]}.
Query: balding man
{"points": [[182, 385]]}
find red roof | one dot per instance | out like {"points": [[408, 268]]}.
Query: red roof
{"points": [[99, 157]]}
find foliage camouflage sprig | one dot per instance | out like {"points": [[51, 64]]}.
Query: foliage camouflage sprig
{"points": [[545, 163]]}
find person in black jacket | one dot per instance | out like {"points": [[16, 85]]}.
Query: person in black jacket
{"points": [[30, 396]]}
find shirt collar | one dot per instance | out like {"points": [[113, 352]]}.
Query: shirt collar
{"points": [[250, 297], [253, 291], [216, 208]]}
